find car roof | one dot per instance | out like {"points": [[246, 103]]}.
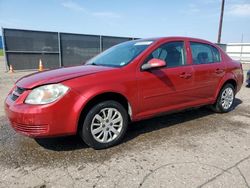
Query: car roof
{"points": [[175, 38]]}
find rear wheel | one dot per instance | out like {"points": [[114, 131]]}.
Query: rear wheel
{"points": [[105, 125], [225, 100]]}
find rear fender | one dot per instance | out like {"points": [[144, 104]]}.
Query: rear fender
{"points": [[228, 76]]}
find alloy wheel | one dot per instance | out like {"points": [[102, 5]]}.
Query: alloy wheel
{"points": [[227, 98], [106, 125]]}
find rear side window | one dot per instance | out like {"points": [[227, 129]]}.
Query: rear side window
{"points": [[204, 53], [172, 52], [216, 54]]}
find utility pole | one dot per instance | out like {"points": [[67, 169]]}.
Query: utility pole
{"points": [[221, 21]]}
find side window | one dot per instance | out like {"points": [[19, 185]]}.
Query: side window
{"points": [[216, 54], [201, 53], [204, 53], [173, 53]]}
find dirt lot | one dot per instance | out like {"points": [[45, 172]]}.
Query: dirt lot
{"points": [[196, 148]]}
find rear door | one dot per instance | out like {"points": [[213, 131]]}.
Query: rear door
{"points": [[208, 69]]}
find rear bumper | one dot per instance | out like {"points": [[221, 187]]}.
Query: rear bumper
{"points": [[56, 119]]}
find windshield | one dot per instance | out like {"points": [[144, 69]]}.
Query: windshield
{"points": [[120, 55]]}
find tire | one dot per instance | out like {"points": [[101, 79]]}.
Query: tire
{"points": [[225, 100], [98, 131]]}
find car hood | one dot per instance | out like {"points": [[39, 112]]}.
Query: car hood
{"points": [[58, 75]]}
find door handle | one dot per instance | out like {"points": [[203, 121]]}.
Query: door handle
{"points": [[182, 75], [188, 75], [185, 75], [219, 71]]}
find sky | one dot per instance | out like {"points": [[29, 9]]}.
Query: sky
{"points": [[131, 18]]}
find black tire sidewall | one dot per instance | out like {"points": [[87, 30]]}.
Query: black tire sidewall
{"points": [[85, 131], [219, 106]]}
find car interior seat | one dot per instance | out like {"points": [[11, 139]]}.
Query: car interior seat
{"points": [[202, 58], [173, 57]]}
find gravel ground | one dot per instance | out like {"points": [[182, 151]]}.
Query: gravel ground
{"points": [[195, 148]]}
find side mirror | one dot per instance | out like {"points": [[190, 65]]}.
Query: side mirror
{"points": [[154, 63]]}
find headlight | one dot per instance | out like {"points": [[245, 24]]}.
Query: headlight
{"points": [[46, 94]]}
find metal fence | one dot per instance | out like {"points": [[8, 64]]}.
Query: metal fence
{"points": [[1, 43], [223, 46], [24, 48], [239, 51]]}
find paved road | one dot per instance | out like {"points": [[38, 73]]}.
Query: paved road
{"points": [[196, 148]]}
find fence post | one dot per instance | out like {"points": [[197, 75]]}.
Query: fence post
{"points": [[100, 43], [59, 49], [241, 50], [4, 51]]}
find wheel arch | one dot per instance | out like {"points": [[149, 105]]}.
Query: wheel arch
{"points": [[229, 80], [118, 97]]}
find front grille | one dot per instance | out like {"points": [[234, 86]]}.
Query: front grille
{"points": [[14, 97], [30, 129], [19, 90], [16, 93]]}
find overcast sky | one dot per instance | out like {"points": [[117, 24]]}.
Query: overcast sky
{"points": [[131, 18]]}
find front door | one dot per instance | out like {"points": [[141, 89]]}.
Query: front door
{"points": [[166, 88]]}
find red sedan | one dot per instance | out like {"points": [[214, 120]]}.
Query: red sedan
{"points": [[132, 81]]}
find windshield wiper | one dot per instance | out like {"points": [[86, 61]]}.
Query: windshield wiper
{"points": [[95, 64], [92, 64], [104, 65]]}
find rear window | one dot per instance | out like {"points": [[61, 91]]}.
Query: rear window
{"points": [[204, 53]]}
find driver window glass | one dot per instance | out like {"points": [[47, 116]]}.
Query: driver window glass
{"points": [[173, 53]]}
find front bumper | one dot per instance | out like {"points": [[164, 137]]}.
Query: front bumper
{"points": [[56, 119]]}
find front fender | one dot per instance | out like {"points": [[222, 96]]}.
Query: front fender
{"points": [[117, 89], [91, 88]]}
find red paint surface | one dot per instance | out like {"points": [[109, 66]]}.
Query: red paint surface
{"points": [[149, 93]]}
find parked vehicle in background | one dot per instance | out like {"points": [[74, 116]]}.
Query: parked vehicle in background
{"points": [[248, 78], [129, 82]]}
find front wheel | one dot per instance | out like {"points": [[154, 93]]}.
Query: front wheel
{"points": [[104, 125], [225, 100]]}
